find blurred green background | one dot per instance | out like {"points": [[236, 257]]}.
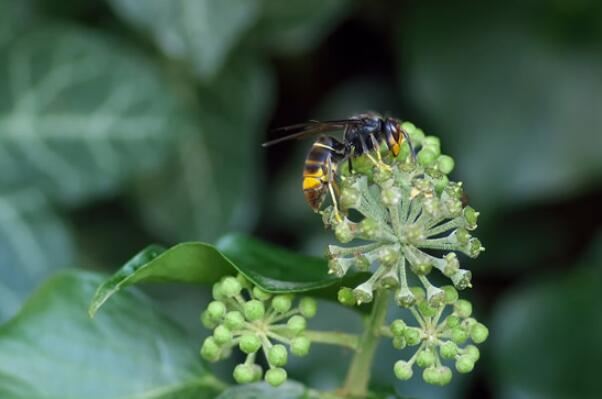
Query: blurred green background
{"points": [[126, 122]]}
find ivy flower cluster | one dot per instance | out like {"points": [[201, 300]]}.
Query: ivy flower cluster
{"points": [[255, 321], [438, 337], [409, 209]]}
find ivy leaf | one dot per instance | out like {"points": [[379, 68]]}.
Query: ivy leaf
{"points": [[295, 26], [78, 109], [271, 268], [51, 349], [34, 242], [193, 262], [210, 184], [515, 106], [200, 31], [288, 390], [546, 337]]}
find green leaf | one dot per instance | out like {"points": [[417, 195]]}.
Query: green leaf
{"points": [[80, 114], [513, 106], [193, 262], [546, 337], [288, 390], [210, 184], [52, 350], [34, 242], [200, 31], [295, 26], [271, 268]]}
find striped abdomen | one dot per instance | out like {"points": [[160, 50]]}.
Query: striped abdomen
{"points": [[317, 169]]}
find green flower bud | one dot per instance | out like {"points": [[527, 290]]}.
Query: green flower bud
{"points": [[403, 370], [433, 143], [388, 255], [257, 372], [399, 342], [422, 268], [427, 156], [343, 232], [479, 333], [430, 375], [300, 346], [231, 287], [222, 335], [464, 364], [452, 265], [244, 373], [368, 228], [275, 377], [207, 321], [253, 310], [463, 308], [210, 350], [472, 352], [297, 324], [391, 196], [445, 163], [452, 321], [451, 295], [249, 343], [260, 294], [468, 323], [441, 183], [308, 307], [217, 292], [345, 296], [444, 375], [470, 217], [427, 310], [234, 320], [244, 283], [425, 358], [459, 335], [398, 327], [216, 310], [448, 350], [412, 335], [277, 355], [282, 303]]}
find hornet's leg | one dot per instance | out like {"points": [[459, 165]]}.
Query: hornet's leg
{"points": [[331, 188]]}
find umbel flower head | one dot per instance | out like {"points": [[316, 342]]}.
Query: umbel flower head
{"points": [[255, 321], [441, 336], [412, 218]]}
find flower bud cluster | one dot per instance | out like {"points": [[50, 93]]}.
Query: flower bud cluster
{"points": [[441, 336], [409, 209], [255, 321]]}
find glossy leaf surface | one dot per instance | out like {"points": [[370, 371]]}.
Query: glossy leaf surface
{"points": [[52, 349]]}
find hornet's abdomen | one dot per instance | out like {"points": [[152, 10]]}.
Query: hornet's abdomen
{"points": [[319, 165]]}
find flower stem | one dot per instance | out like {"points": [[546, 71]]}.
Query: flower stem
{"points": [[358, 375], [333, 338]]}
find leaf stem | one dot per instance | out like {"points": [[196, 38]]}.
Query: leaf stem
{"points": [[358, 375]]}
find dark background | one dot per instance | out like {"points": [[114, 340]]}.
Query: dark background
{"points": [[513, 89]]}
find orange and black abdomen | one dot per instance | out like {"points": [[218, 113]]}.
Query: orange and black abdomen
{"points": [[316, 171]]}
